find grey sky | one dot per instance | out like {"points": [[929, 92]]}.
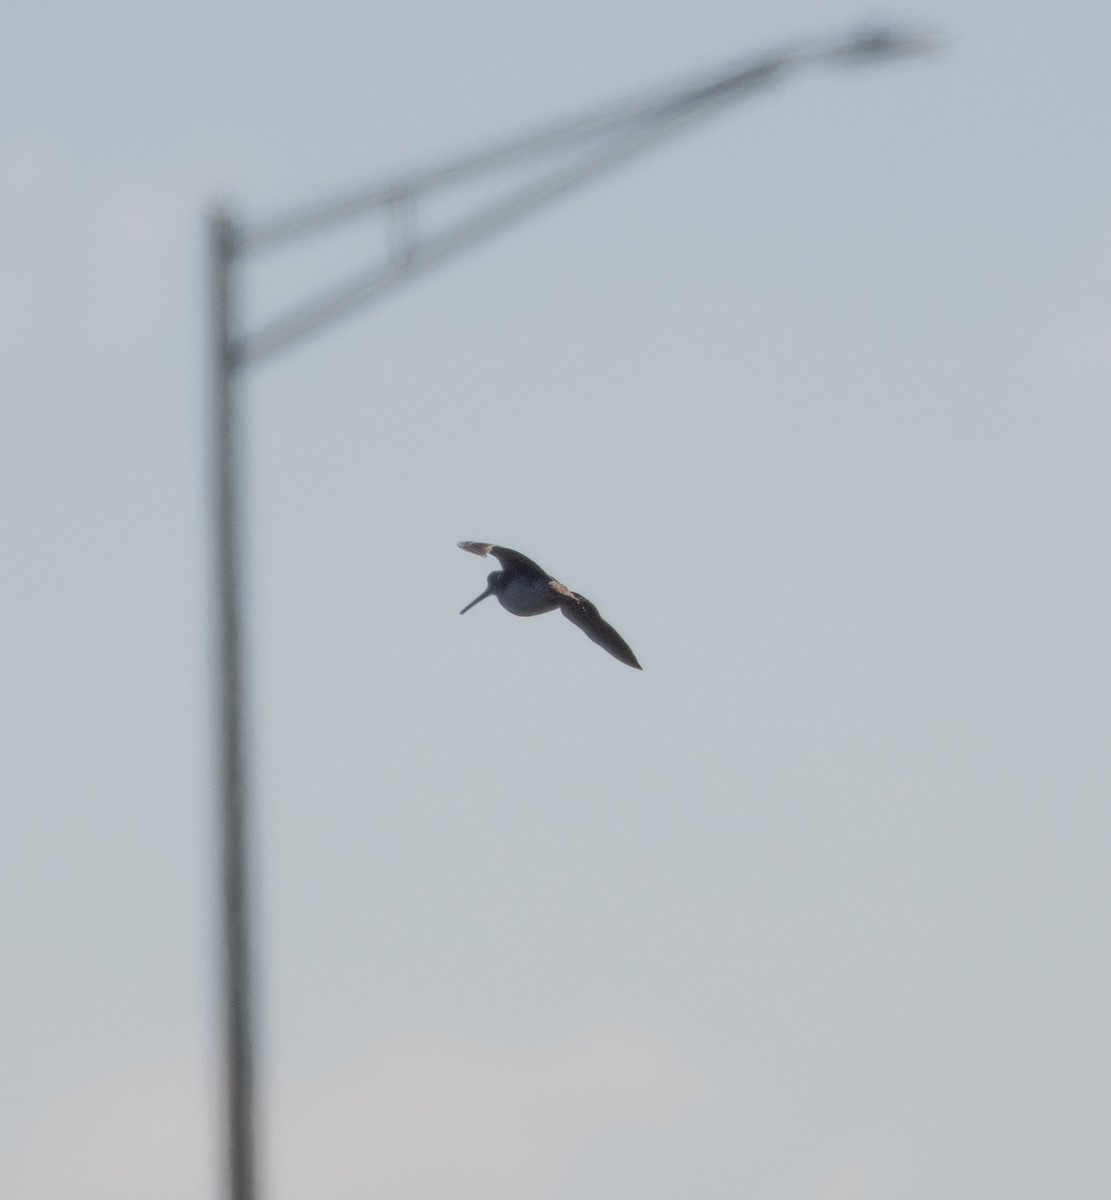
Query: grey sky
{"points": [[812, 403]]}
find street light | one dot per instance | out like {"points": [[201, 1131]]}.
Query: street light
{"points": [[587, 146]]}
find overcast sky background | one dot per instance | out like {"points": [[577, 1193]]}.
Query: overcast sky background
{"points": [[813, 403]]}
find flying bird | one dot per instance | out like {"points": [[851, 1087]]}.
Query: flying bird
{"points": [[526, 589]]}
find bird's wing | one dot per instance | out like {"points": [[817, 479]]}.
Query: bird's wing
{"points": [[510, 560], [582, 613]]}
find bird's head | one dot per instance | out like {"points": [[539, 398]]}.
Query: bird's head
{"points": [[493, 585]]}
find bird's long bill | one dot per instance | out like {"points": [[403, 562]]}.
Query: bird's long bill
{"points": [[489, 592]]}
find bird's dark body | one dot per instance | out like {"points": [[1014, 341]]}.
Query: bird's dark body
{"points": [[525, 589]]}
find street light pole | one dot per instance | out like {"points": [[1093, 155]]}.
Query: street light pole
{"points": [[585, 147], [226, 477]]}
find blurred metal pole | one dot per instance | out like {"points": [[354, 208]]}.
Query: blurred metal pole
{"points": [[603, 139], [231, 756]]}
